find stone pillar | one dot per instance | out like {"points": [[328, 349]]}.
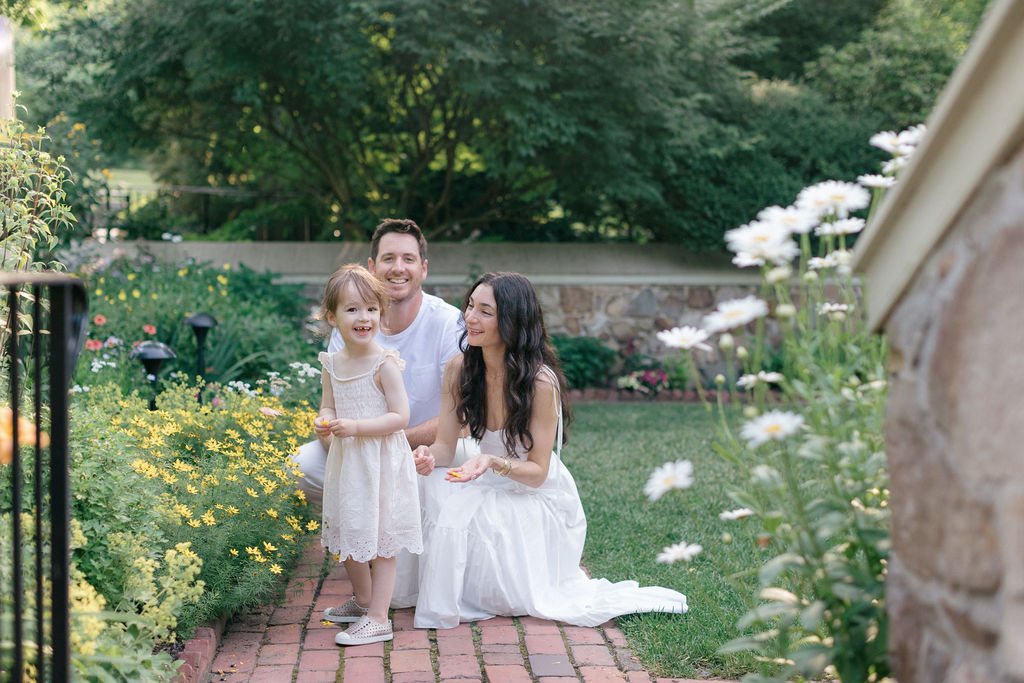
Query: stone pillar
{"points": [[6, 69], [955, 442]]}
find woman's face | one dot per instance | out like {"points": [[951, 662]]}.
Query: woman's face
{"points": [[481, 317]]}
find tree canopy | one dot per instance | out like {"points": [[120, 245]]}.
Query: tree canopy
{"points": [[493, 119]]}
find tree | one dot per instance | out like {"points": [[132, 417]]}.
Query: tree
{"points": [[470, 116]]}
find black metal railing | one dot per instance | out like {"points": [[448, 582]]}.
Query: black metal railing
{"points": [[41, 336]]}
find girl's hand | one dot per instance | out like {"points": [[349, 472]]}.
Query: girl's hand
{"points": [[423, 459], [343, 427], [322, 427], [470, 470]]}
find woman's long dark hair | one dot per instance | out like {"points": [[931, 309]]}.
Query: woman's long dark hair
{"points": [[521, 327]]}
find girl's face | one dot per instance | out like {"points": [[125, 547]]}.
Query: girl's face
{"points": [[355, 319], [481, 317]]}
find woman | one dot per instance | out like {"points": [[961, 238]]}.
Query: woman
{"points": [[507, 536]]}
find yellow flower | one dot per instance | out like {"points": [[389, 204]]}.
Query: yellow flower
{"points": [[233, 552], [223, 292], [99, 292], [194, 523], [182, 466], [183, 272], [275, 569], [208, 518], [227, 266], [232, 510], [251, 492], [288, 537], [272, 512], [269, 547], [312, 525], [183, 510], [131, 276], [121, 296], [136, 293], [221, 279]]}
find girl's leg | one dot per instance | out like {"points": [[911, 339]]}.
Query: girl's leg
{"points": [[359, 575], [383, 571]]}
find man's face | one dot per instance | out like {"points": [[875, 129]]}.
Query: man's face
{"points": [[398, 265]]}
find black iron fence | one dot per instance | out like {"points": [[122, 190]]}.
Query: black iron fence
{"points": [[41, 335]]}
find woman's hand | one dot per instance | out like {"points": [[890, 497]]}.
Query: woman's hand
{"points": [[469, 470], [423, 460]]}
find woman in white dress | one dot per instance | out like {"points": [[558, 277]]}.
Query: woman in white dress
{"points": [[507, 535]]}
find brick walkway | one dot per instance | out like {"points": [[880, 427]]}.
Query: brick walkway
{"points": [[288, 642]]}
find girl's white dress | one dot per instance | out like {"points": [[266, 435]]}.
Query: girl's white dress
{"points": [[371, 496], [498, 547]]}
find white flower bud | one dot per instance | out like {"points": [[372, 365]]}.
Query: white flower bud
{"points": [[742, 353], [726, 342], [778, 274], [719, 379], [810, 276], [785, 311], [750, 412]]}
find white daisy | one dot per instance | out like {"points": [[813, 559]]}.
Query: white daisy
{"points": [[671, 475], [744, 260], [759, 242], [686, 337], [911, 137], [792, 218], [835, 311], [819, 262], [739, 513], [843, 226], [875, 180], [774, 425], [734, 313], [886, 140], [833, 198], [680, 551], [750, 380], [895, 164]]}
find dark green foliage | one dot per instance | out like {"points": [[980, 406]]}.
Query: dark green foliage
{"points": [[796, 31], [586, 361]]}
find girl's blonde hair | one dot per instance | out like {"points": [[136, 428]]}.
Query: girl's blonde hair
{"points": [[370, 289]]}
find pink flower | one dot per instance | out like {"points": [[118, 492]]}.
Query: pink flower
{"points": [[93, 344], [99, 319], [149, 329]]}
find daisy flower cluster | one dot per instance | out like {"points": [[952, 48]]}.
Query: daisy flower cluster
{"points": [[809, 382]]}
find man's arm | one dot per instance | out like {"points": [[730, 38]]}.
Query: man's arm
{"points": [[422, 434]]}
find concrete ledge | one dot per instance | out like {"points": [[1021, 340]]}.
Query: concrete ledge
{"points": [[456, 263]]}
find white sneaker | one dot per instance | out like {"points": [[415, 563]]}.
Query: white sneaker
{"points": [[365, 631], [346, 614]]}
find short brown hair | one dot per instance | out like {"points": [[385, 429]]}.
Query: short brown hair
{"points": [[403, 226], [369, 288]]}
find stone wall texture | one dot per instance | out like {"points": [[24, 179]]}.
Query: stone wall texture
{"points": [[955, 440]]}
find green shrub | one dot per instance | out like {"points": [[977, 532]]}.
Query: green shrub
{"points": [[259, 330], [586, 361]]}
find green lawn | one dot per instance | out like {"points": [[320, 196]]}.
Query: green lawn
{"points": [[612, 450]]}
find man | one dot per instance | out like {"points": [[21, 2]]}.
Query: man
{"points": [[425, 330]]}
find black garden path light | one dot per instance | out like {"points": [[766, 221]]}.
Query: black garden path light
{"points": [[152, 354], [200, 324]]}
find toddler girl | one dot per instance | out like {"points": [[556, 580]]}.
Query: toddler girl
{"points": [[371, 498]]}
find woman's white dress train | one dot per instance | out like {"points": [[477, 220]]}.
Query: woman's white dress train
{"points": [[494, 546]]}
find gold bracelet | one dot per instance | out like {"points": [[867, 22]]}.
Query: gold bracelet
{"points": [[508, 467]]}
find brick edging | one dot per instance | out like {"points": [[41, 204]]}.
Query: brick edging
{"points": [[197, 657]]}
